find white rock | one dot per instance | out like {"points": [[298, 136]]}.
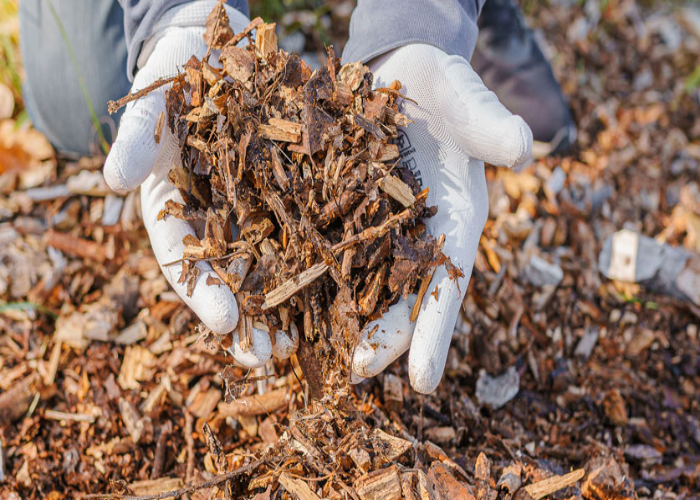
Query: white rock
{"points": [[497, 391], [540, 272]]}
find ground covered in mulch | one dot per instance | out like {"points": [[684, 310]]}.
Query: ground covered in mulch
{"points": [[107, 384]]}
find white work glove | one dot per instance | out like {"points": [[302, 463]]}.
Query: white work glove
{"points": [[458, 124], [136, 159]]}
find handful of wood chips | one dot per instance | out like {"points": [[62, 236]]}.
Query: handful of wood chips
{"points": [[308, 214]]}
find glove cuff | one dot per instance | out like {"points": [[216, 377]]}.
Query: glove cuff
{"points": [[188, 15]]}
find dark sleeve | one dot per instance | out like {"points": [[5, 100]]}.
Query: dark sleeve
{"points": [[378, 26], [141, 15]]}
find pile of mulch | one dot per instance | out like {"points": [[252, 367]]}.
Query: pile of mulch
{"points": [[106, 385]]}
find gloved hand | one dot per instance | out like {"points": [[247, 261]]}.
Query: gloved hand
{"points": [[458, 124], [136, 159]]}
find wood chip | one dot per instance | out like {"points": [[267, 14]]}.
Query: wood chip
{"points": [[383, 484], [159, 127], [553, 484], [297, 487]]}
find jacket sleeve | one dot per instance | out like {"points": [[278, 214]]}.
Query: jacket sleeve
{"points": [[140, 16], [378, 26]]}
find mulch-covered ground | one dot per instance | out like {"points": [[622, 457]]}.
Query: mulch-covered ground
{"points": [[105, 384]]}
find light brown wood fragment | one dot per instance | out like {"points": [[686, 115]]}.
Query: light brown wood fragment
{"points": [[293, 286], [553, 484], [361, 458], [483, 476], [437, 453], [511, 478], [396, 118], [54, 359], [238, 62], [194, 78], [383, 484], [297, 487], [387, 152], [155, 486], [352, 74], [245, 333], [390, 447], [63, 415], [204, 403], [257, 228], [397, 189], [237, 270], [211, 75], [136, 367], [278, 170], [407, 489], [77, 247], [369, 299], [265, 40], [255, 405], [280, 130], [139, 428], [442, 482], [424, 285], [160, 124], [15, 402], [212, 281], [393, 392]]}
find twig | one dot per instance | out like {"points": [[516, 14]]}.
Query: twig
{"points": [[159, 458], [114, 106], [207, 259], [424, 284], [189, 428], [246, 32], [183, 491]]}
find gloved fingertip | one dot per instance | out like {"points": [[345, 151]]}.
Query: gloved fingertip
{"points": [[364, 361], [519, 134], [219, 313], [114, 174], [356, 379], [255, 355], [128, 165], [425, 377]]}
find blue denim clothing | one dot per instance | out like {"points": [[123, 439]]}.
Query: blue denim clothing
{"points": [[52, 92], [107, 36]]}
